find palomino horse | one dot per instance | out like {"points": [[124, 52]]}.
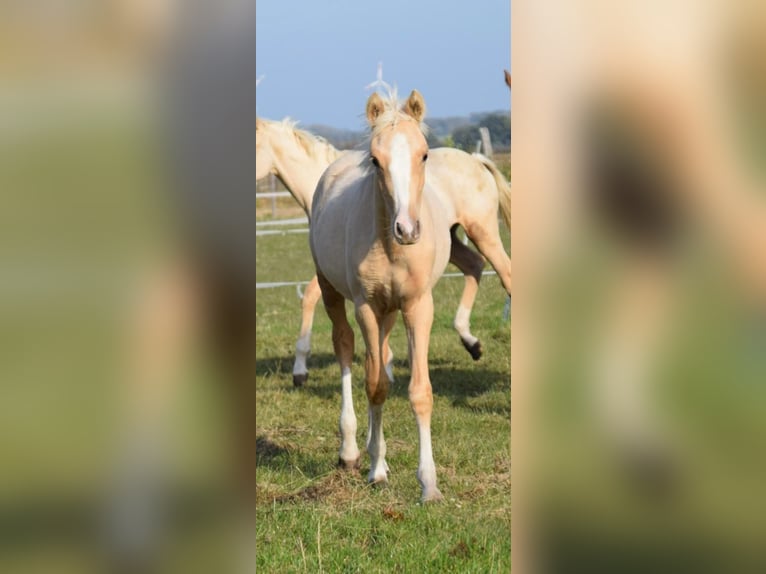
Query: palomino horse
{"points": [[471, 186], [380, 238]]}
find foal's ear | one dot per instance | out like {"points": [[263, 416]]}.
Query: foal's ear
{"points": [[415, 106], [374, 107], [507, 77]]}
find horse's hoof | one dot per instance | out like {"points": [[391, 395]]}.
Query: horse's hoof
{"points": [[300, 379], [434, 496], [349, 465], [474, 349], [378, 483]]}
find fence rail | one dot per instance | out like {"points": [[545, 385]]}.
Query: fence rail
{"points": [[268, 194]]}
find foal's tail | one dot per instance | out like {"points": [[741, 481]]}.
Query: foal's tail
{"points": [[503, 189]]}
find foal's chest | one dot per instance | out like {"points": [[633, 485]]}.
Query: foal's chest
{"points": [[386, 280]]}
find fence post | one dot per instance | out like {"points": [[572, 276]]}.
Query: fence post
{"points": [[486, 141], [273, 188]]}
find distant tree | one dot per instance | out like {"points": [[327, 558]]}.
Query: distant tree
{"points": [[433, 141], [465, 137], [448, 141], [498, 124]]}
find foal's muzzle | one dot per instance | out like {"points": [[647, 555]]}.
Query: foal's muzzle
{"points": [[405, 232]]}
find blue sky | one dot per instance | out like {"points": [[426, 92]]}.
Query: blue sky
{"points": [[317, 56]]}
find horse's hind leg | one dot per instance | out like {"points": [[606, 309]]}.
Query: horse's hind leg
{"points": [[471, 264], [311, 297], [487, 240], [343, 344]]}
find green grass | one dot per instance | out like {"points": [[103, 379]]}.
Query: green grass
{"points": [[313, 517]]}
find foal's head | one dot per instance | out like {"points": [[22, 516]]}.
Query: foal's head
{"points": [[398, 150]]}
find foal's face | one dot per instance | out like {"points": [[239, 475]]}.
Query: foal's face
{"points": [[263, 157], [399, 152]]}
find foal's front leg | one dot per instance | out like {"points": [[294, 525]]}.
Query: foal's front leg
{"points": [[418, 317], [343, 344], [375, 332]]}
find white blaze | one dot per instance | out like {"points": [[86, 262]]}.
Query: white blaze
{"points": [[401, 170]]}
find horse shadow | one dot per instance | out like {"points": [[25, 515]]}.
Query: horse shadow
{"points": [[270, 366], [272, 454], [462, 385]]}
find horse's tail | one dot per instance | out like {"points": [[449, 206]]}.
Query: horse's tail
{"points": [[503, 189]]}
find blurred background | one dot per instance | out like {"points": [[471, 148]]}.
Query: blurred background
{"points": [[639, 356], [93, 276]]}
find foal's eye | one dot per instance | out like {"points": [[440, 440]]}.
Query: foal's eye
{"points": [[375, 161], [425, 157]]}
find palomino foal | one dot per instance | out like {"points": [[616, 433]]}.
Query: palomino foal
{"points": [[381, 238], [473, 191]]}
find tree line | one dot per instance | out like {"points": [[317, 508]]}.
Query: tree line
{"points": [[458, 132]]}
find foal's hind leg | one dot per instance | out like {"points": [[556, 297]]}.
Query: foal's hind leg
{"points": [[343, 343], [487, 238], [311, 297], [471, 264]]}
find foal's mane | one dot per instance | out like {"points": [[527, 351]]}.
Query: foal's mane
{"points": [[392, 114]]}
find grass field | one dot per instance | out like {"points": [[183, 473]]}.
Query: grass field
{"points": [[312, 517]]}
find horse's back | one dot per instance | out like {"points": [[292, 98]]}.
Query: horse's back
{"points": [[463, 182]]}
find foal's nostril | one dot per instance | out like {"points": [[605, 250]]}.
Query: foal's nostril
{"points": [[399, 231], [417, 229]]}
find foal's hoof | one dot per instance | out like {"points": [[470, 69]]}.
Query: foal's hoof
{"points": [[474, 349], [434, 496], [378, 484], [300, 379], [349, 465]]}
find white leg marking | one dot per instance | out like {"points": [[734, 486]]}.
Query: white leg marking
{"points": [[377, 446], [302, 351], [390, 366], [349, 451], [463, 325], [426, 466]]}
